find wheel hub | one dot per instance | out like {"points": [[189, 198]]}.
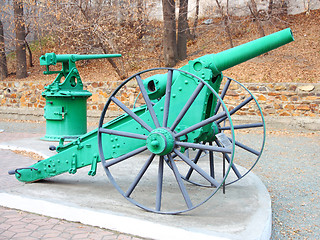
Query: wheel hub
{"points": [[160, 141]]}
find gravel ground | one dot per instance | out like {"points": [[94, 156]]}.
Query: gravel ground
{"points": [[289, 167]]}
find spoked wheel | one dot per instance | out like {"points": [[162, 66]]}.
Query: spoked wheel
{"points": [[249, 130], [142, 151]]}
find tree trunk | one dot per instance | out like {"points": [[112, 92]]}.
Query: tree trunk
{"points": [[20, 39], [30, 54], [270, 7], [119, 5], [196, 17], [141, 26], [169, 33], [284, 8], [254, 12], [225, 18], [121, 73], [308, 8], [182, 30], [3, 59], [226, 24], [98, 34]]}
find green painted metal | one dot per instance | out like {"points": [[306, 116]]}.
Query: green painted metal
{"points": [[160, 141], [234, 56], [65, 117], [195, 113], [210, 66], [83, 151], [68, 60], [66, 102]]}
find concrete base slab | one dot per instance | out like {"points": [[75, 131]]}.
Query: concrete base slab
{"points": [[244, 212]]}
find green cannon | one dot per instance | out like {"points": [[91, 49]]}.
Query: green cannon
{"points": [[66, 102], [176, 132]]}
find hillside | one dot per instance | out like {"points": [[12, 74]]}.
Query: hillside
{"points": [[295, 62]]}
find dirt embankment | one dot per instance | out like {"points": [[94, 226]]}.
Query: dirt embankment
{"points": [[294, 62]]}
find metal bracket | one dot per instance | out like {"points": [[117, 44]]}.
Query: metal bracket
{"points": [[73, 168], [224, 140], [78, 142], [93, 169], [61, 143]]}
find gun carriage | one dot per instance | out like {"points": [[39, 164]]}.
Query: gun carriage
{"points": [[180, 135]]}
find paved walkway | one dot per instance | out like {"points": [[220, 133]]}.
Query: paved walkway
{"points": [[16, 224]]}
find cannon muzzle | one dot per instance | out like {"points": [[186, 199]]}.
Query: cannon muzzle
{"points": [[234, 56]]}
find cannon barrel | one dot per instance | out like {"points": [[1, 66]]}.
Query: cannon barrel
{"points": [[216, 63], [221, 61], [53, 59]]}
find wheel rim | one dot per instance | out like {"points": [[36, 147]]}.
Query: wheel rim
{"points": [[163, 141], [252, 149]]}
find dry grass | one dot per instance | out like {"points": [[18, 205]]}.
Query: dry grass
{"points": [[295, 62]]}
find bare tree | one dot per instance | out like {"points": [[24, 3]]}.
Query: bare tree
{"points": [[120, 11], [254, 12], [308, 7], [29, 50], [196, 18], [32, 25], [183, 28], [3, 59], [225, 18], [88, 27], [270, 7], [141, 25], [169, 33], [20, 39], [97, 31]]}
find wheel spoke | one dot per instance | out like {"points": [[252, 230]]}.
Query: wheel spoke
{"points": [[201, 124], [204, 147], [223, 93], [244, 126], [234, 168], [125, 156], [139, 176], [123, 134], [245, 102], [167, 98], [249, 149], [196, 159], [187, 105], [197, 168], [159, 184], [180, 182], [131, 114], [224, 173], [189, 166], [147, 101], [211, 162]]}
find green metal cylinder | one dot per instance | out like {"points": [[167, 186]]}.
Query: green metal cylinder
{"points": [[209, 66], [53, 59], [66, 116], [234, 56]]}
